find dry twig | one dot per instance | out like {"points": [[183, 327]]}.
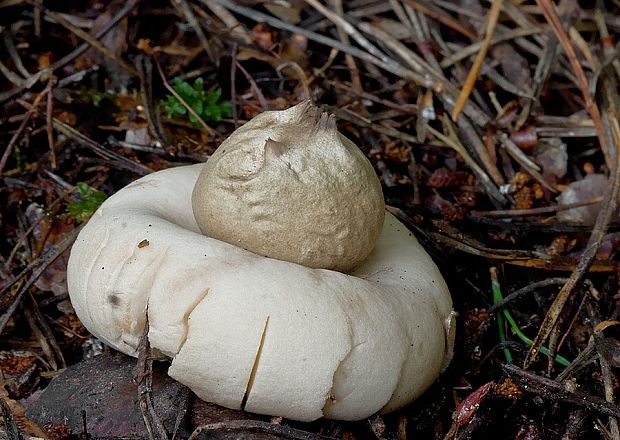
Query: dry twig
{"points": [[609, 203], [492, 18]]}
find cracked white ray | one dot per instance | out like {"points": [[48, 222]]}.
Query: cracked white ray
{"points": [[343, 346]]}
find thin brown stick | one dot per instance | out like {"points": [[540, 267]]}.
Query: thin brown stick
{"points": [[524, 291], [233, 84], [584, 357], [40, 337], [73, 134], [96, 44], [46, 330], [483, 177], [13, 53], [193, 22], [388, 65], [184, 402], [410, 109], [526, 163], [475, 47], [555, 339], [143, 377], [442, 18], [493, 16], [347, 27], [22, 127], [356, 82], [38, 267], [10, 75], [144, 67], [550, 389], [24, 236], [122, 13], [471, 140], [563, 265], [605, 367], [258, 426], [257, 91], [609, 204], [482, 251], [440, 84], [549, 11], [235, 28], [38, 6], [49, 112], [32, 79]]}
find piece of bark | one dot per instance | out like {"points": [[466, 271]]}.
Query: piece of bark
{"points": [[103, 387]]}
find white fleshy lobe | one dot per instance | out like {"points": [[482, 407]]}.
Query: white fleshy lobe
{"points": [[246, 331]]}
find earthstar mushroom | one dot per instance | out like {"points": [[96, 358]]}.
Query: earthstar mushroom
{"points": [[273, 329]]}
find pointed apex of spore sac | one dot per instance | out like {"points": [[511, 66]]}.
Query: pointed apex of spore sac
{"points": [[306, 113], [325, 131], [306, 126], [327, 122]]}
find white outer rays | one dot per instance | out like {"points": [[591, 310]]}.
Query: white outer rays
{"points": [[260, 334]]}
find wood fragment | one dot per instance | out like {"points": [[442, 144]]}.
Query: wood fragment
{"points": [[143, 377], [258, 426], [550, 389]]}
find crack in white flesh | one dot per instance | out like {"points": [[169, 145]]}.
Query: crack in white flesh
{"points": [[306, 341], [343, 346], [259, 351]]}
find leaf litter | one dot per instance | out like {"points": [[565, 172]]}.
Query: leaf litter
{"points": [[492, 125]]}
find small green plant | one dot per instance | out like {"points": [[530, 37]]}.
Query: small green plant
{"points": [[497, 298], [16, 154], [95, 97], [91, 199], [205, 104]]}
